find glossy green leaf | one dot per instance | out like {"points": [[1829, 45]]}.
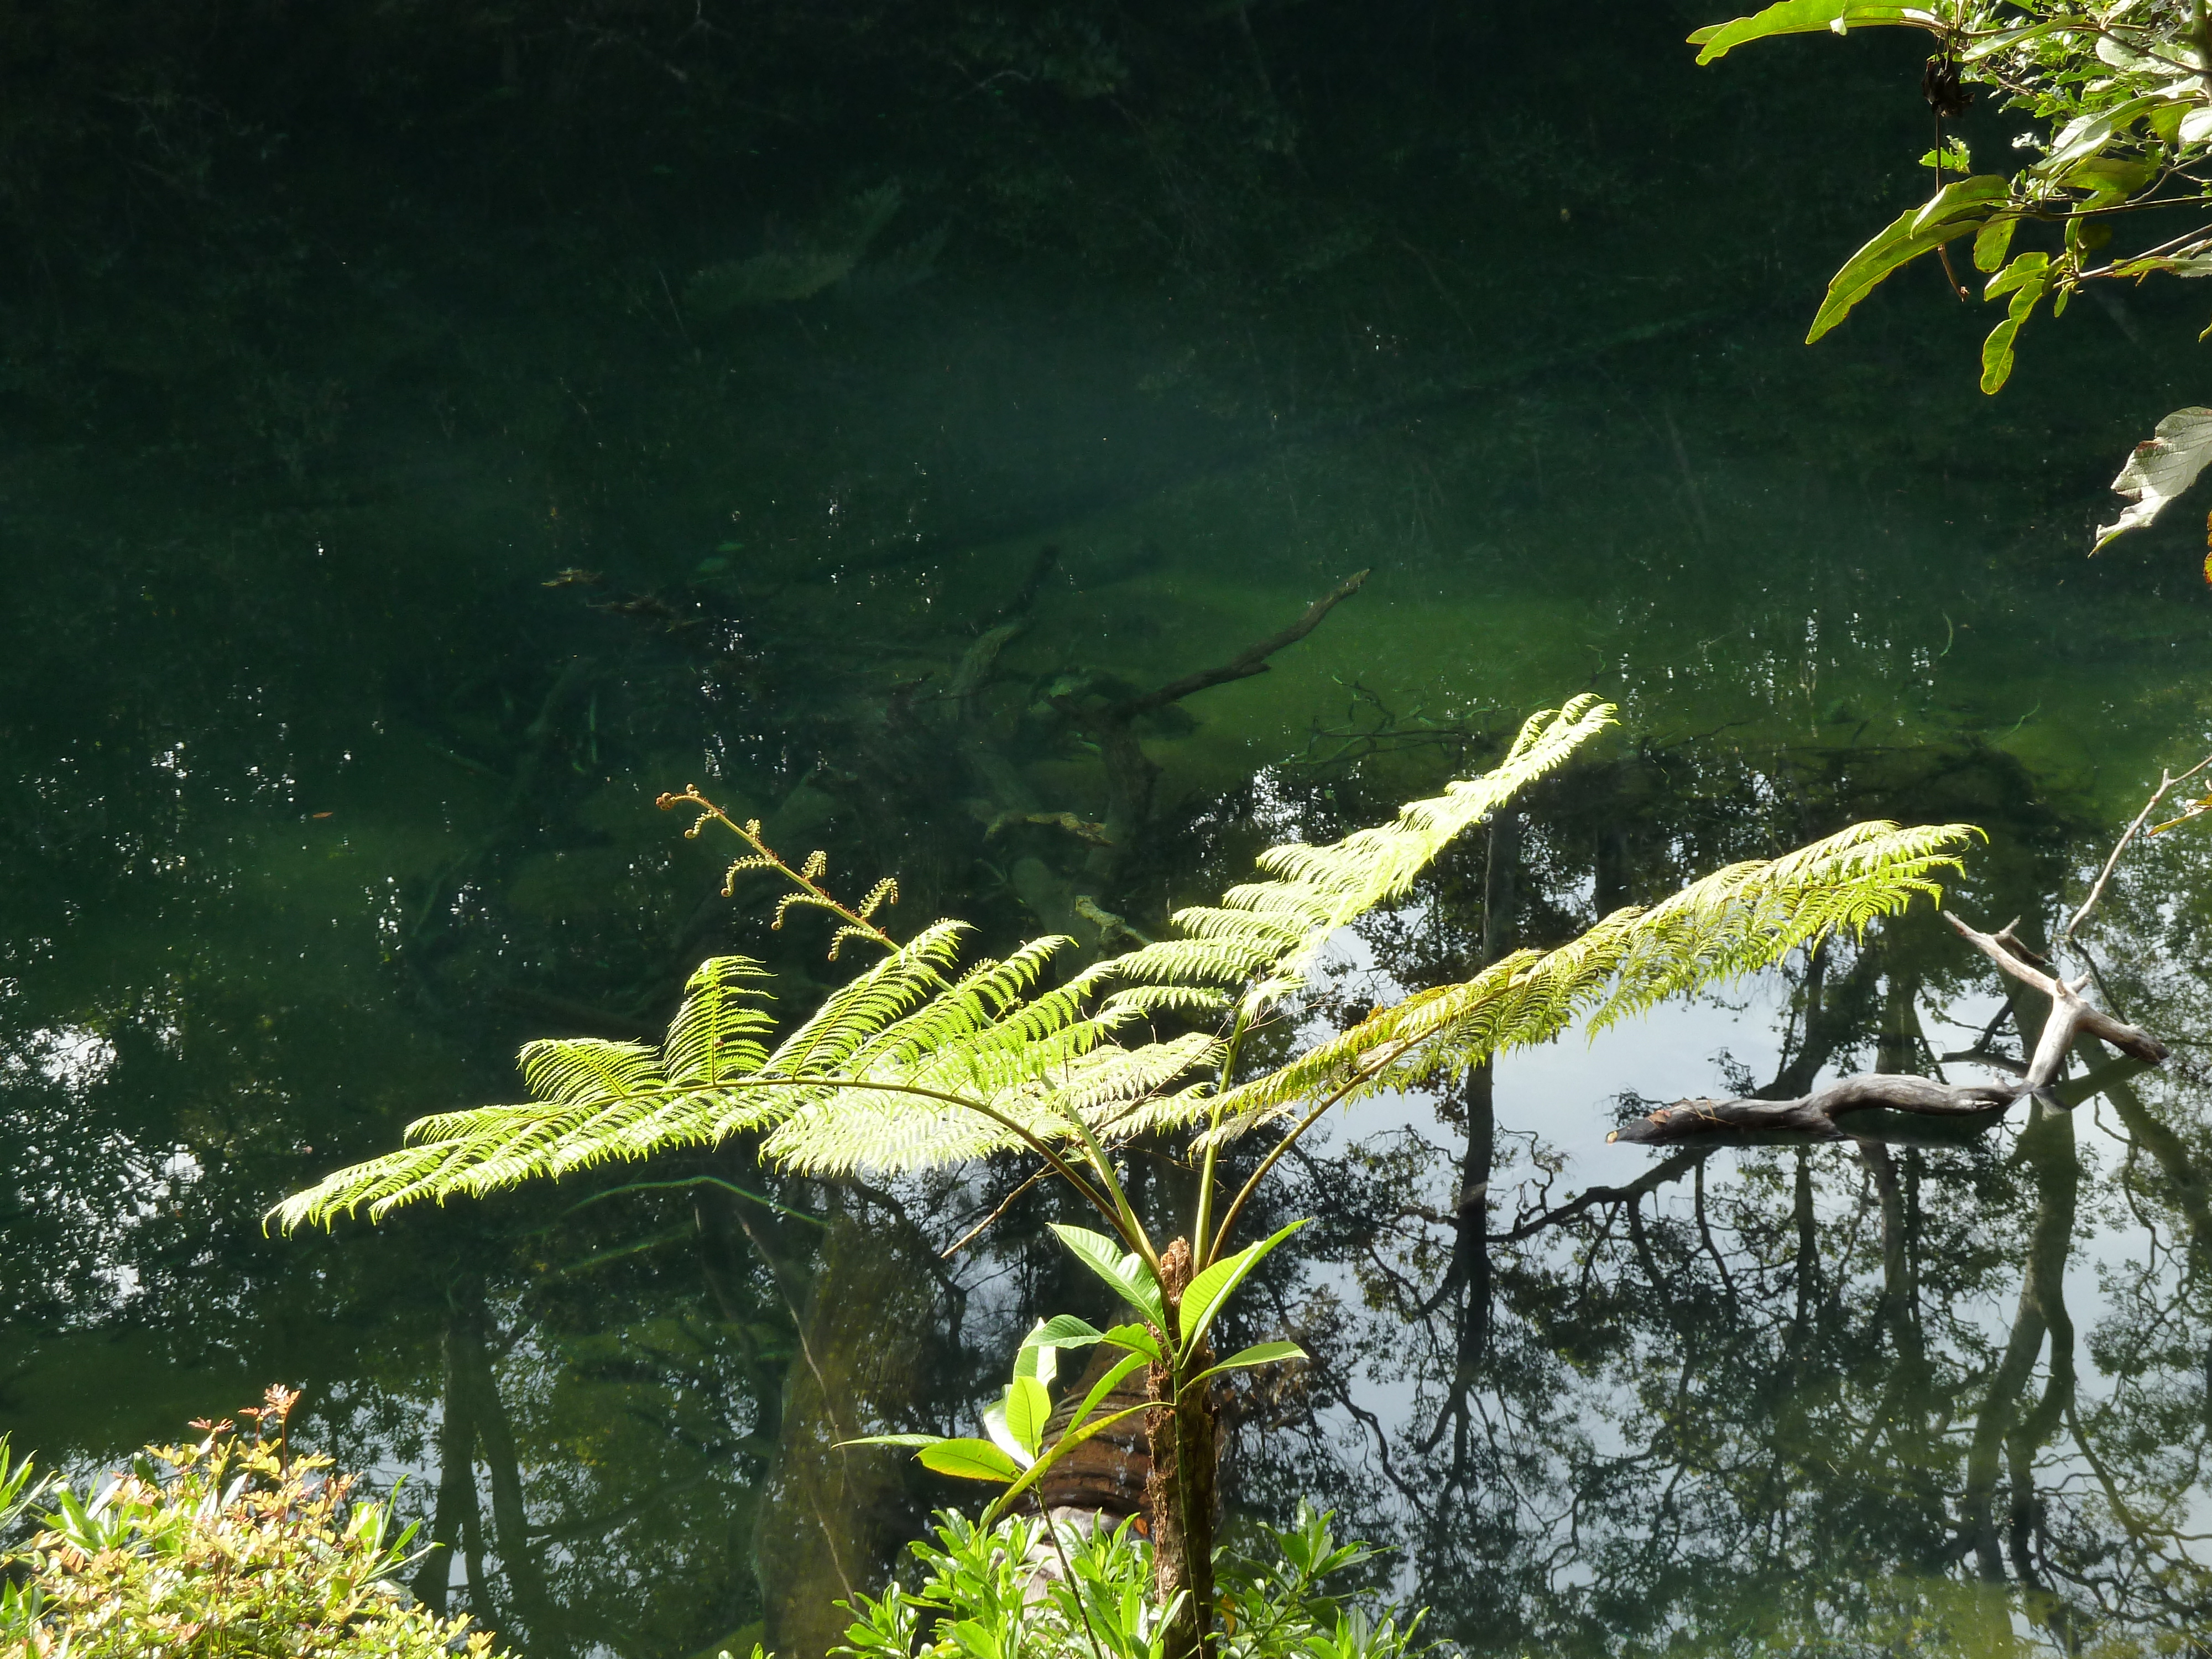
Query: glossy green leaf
{"points": [[1027, 1407], [1952, 212], [1039, 1354], [1104, 1386], [1208, 1291], [969, 1460], [1137, 1339], [1245, 1359], [994, 1425], [1966, 198], [1993, 240], [2087, 134], [1127, 1272], [1806, 17], [1974, 50], [1997, 349], [2027, 279], [893, 1440], [1954, 157], [2198, 264], [1063, 1331], [2033, 268], [2111, 178], [1062, 1446]]}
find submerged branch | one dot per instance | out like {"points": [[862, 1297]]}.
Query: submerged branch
{"points": [[1252, 659], [1815, 1113]]}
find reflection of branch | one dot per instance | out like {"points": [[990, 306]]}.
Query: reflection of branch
{"points": [[1130, 775], [597, 1526], [1656, 1176], [2166, 782], [1005, 1204]]}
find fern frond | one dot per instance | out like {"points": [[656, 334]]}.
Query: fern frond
{"points": [[750, 861], [817, 865], [919, 1061], [863, 1006], [803, 900], [433, 1171], [1269, 932], [1738, 920], [1148, 1000], [721, 1030]]}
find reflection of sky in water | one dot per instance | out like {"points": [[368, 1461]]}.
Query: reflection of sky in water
{"points": [[1563, 1095]]}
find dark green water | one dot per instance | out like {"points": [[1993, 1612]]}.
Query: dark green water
{"points": [[330, 345]]}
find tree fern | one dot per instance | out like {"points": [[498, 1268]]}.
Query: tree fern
{"points": [[916, 1062]]}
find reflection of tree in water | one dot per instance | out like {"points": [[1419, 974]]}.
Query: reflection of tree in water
{"points": [[1786, 1393], [617, 1399], [1711, 1394]]}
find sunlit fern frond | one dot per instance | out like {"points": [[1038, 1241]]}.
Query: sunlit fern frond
{"points": [[926, 1116], [1264, 935], [594, 1094], [864, 1005], [1195, 1000], [1745, 917], [866, 1079], [1749, 916], [721, 1030], [1030, 1059]]}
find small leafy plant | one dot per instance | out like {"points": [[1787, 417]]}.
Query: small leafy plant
{"points": [[1015, 1455], [228, 1548], [984, 1594]]}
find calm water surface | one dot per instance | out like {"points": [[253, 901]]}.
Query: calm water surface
{"points": [[353, 629]]}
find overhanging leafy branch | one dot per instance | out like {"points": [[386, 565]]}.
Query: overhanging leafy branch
{"points": [[2122, 93]]}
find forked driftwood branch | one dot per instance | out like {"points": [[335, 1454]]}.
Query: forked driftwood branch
{"points": [[1816, 1114]]}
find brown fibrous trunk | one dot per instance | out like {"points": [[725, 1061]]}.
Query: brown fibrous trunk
{"points": [[1180, 1492]]}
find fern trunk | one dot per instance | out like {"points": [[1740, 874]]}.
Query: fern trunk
{"points": [[1185, 1432]]}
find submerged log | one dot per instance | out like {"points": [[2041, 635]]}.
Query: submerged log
{"points": [[1816, 1114]]}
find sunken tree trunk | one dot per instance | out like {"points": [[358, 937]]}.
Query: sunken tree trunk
{"points": [[1185, 1429], [1815, 1113]]}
